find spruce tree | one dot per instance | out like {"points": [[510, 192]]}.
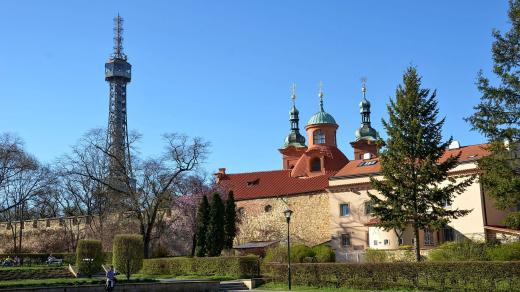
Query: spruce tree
{"points": [[202, 228], [497, 117], [411, 192], [215, 234], [230, 221]]}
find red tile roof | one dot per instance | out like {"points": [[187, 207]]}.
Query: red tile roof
{"points": [[468, 153], [334, 160], [277, 183]]}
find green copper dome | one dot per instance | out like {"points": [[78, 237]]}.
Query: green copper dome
{"points": [[321, 117], [366, 132], [294, 139]]}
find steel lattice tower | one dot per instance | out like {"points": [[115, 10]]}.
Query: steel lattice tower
{"points": [[118, 74]]}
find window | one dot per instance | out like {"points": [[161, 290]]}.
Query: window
{"points": [[253, 182], [35, 224], [428, 237], [446, 203], [345, 239], [368, 207], [268, 208], [319, 137], [240, 211], [413, 241], [401, 241], [375, 242], [448, 234], [48, 223], [344, 209], [386, 242], [316, 164], [367, 163]]}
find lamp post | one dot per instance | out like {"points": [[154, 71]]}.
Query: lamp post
{"points": [[288, 214]]}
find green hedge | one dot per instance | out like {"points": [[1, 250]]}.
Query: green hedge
{"points": [[436, 276], [41, 258], [128, 253], [236, 267], [89, 256]]}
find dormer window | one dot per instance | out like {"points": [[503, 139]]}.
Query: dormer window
{"points": [[319, 137], [253, 182], [316, 164]]}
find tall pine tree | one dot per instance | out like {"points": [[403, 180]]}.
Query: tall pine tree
{"points": [[202, 228], [411, 192], [230, 221], [497, 117], [215, 234]]}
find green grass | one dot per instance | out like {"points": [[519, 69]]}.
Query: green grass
{"points": [[48, 282], [283, 287]]}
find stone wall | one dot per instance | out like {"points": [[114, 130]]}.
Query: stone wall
{"points": [[263, 219]]}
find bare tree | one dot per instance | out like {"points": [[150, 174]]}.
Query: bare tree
{"points": [[146, 191], [18, 192]]}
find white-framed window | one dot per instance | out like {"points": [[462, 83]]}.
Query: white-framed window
{"points": [[386, 242], [428, 237], [344, 209], [345, 239], [413, 241], [375, 242], [401, 241], [318, 137]]}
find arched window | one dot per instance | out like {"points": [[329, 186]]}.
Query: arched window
{"points": [[268, 208], [316, 164], [319, 137]]}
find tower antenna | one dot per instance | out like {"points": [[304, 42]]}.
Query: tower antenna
{"points": [[118, 38]]}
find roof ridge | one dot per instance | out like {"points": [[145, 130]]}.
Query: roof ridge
{"points": [[262, 171]]}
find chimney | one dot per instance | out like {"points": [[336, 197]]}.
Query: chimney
{"points": [[221, 174]]}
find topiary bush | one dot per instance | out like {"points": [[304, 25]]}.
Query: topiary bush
{"points": [[375, 256], [89, 256], [504, 252], [323, 254], [128, 253]]}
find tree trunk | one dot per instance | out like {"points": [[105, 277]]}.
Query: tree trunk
{"points": [[417, 243]]}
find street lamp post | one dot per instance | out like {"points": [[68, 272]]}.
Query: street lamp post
{"points": [[288, 214]]}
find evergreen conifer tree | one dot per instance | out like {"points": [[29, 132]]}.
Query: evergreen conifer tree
{"points": [[202, 228], [411, 192], [497, 117], [215, 234], [230, 219]]}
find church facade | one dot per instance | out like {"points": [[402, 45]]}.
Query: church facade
{"points": [[328, 192]]}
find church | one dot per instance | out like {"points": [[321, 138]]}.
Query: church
{"points": [[328, 193]]}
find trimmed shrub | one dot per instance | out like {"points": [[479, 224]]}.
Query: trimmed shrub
{"points": [[422, 276], [236, 267], [323, 254], [504, 252], [300, 252], [276, 254], [89, 256], [513, 220], [466, 250], [128, 253], [375, 256]]}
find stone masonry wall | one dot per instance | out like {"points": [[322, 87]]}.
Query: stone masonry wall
{"points": [[263, 219]]}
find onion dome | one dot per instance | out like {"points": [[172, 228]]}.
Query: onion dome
{"points": [[365, 132], [321, 117], [294, 138]]}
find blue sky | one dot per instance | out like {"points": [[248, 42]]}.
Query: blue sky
{"points": [[223, 70]]}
